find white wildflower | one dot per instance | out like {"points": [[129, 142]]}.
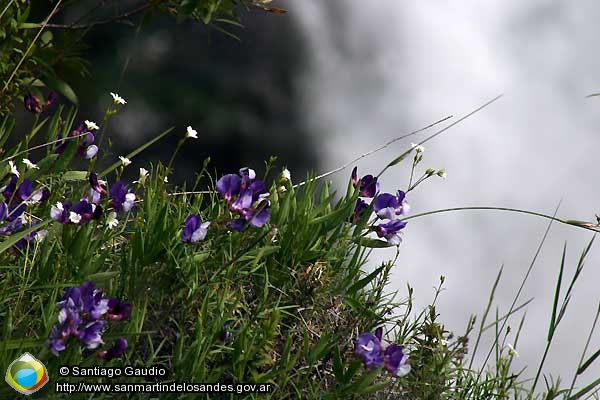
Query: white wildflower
{"points": [[117, 99], [41, 235], [111, 220], [418, 148], [91, 125], [13, 169], [29, 164], [143, 176], [126, 161], [511, 350], [74, 217], [191, 133]]}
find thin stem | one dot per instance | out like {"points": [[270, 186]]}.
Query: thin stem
{"points": [[582, 224], [43, 145], [6, 8], [587, 343], [539, 370], [368, 153], [516, 298], [103, 22], [412, 173], [44, 24], [129, 55], [175, 153], [407, 152]]}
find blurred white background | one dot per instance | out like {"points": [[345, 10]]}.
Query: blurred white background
{"points": [[383, 68]]}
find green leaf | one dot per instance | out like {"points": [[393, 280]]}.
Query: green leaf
{"points": [[319, 349], [374, 388], [62, 87], [197, 258], [186, 7], [63, 160], [338, 367], [398, 159], [589, 361], [266, 251], [136, 151], [340, 215], [101, 277], [352, 370], [364, 384], [46, 37], [29, 25], [75, 176], [364, 281]]}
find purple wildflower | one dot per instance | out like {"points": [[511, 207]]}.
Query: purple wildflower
{"points": [[354, 176], [84, 211], [368, 184], [60, 212], [52, 97], [388, 206], [194, 230], [91, 151], [9, 189], [395, 361], [91, 334], [391, 231], [259, 215], [84, 314], [243, 201], [116, 351], [32, 103], [368, 347], [246, 197], [359, 210], [375, 352], [95, 185], [13, 210], [225, 333], [228, 186], [123, 199], [118, 310]]}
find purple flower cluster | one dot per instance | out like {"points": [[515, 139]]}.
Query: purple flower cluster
{"points": [[375, 352], [33, 104], [84, 315], [245, 197], [387, 207], [88, 208], [86, 148], [13, 203]]}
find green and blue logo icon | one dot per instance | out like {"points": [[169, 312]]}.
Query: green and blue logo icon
{"points": [[26, 374]]}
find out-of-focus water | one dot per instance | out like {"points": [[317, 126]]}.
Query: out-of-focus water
{"points": [[386, 67]]}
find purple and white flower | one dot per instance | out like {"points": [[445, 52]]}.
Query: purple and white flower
{"points": [[194, 230]]}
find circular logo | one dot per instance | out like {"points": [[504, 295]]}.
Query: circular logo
{"points": [[26, 374]]}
